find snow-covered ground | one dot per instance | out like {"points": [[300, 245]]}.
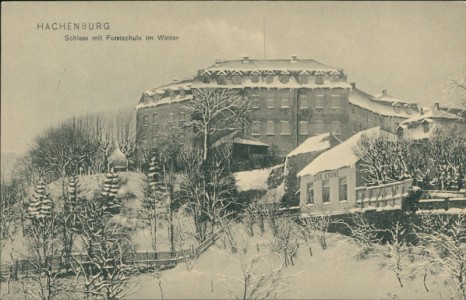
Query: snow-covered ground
{"points": [[334, 273]]}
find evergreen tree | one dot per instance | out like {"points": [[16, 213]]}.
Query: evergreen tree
{"points": [[40, 205], [110, 202]]}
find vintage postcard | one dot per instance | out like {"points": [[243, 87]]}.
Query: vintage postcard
{"points": [[233, 150]]}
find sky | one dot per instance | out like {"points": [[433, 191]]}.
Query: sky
{"points": [[408, 48]]}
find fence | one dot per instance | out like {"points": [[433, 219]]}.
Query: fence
{"points": [[142, 259]]}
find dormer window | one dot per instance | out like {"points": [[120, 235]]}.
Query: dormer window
{"points": [[182, 93], [426, 126], [206, 79], [285, 78], [303, 79], [335, 75], [171, 93], [409, 109], [269, 78], [396, 108], [255, 78], [222, 79], [319, 77], [236, 79]]}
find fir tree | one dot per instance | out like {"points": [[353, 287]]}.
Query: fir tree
{"points": [[110, 202], [40, 205]]}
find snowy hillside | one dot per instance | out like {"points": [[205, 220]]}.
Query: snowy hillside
{"points": [[334, 273]]}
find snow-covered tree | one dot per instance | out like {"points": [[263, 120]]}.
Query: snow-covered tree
{"points": [[216, 112], [40, 205], [110, 201], [442, 243], [154, 196], [382, 160]]}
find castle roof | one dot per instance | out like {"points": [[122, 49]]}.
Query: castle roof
{"points": [[364, 100], [272, 64], [431, 114]]}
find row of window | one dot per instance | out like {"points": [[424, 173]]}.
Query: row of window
{"points": [[304, 127], [342, 191], [285, 78], [181, 116], [336, 101], [389, 191]]}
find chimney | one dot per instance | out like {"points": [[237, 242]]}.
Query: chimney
{"points": [[218, 61], [422, 111], [437, 105], [384, 92], [353, 85], [245, 59], [294, 58]]}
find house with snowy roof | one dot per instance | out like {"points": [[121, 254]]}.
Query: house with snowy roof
{"points": [[291, 99], [423, 125], [301, 156], [332, 183]]}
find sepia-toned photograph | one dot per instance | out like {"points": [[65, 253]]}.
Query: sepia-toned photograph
{"points": [[233, 150]]}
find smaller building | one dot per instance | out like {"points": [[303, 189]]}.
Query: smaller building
{"points": [[301, 156], [329, 183], [118, 161], [424, 124]]}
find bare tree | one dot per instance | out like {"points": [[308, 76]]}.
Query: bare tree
{"points": [[256, 284], [456, 90], [364, 234], [285, 242], [442, 240], [216, 111], [396, 253]]}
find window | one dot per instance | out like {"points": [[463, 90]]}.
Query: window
{"points": [[172, 94], [256, 126], [325, 191], [270, 128], [154, 118], [336, 127], [145, 120], [302, 101], [182, 116], [426, 127], [319, 79], [255, 78], [343, 188], [320, 101], [285, 101], [270, 101], [336, 101], [303, 79], [269, 78], [222, 79], [285, 128], [284, 78], [171, 117], [182, 93], [303, 130], [396, 108], [319, 127], [236, 79], [310, 194], [255, 101]]}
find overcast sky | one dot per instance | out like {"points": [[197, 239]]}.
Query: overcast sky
{"points": [[408, 48]]}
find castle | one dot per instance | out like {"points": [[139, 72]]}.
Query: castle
{"points": [[292, 99]]}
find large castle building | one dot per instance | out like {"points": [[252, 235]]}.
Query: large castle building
{"points": [[292, 99]]}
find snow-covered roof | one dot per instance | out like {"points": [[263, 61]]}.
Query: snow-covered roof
{"points": [[316, 143], [272, 64], [252, 180], [165, 100], [244, 141], [431, 114], [341, 155], [365, 100], [118, 158], [386, 97], [183, 84]]}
